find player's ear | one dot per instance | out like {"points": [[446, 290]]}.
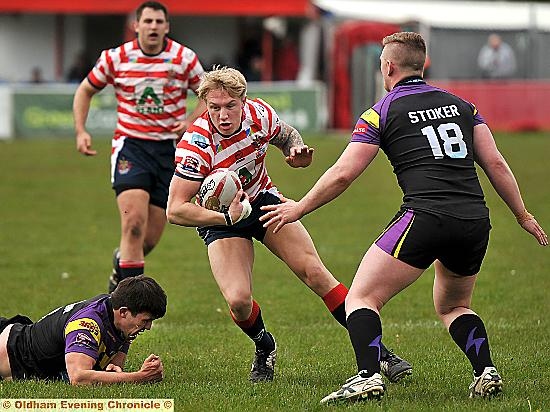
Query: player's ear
{"points": [[389, 67], [123, 311]]}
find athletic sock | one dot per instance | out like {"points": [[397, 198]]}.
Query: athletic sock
{"points": [[335, 300], [130, 268], [365, 332], [468, 332], [255, 329]]}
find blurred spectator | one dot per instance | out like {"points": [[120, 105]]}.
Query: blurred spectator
{"points": [[311, 63], [496, 59], [36, 75], [80, 68], [249, 58], [255, 68], [286, 60]]}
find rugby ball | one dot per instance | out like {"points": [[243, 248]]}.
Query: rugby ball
{"points": [[218, 190]]}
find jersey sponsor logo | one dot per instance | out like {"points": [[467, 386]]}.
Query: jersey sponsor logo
{"points": [[84, 324], [124, 166], [371, 117], [191, 164], [435, 113], [199, 140], [149, 102], [361, 129], [85, 341], [245, 176]]}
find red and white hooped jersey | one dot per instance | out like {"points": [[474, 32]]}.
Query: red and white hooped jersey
{"points": [[151, 91], [203, 149]]}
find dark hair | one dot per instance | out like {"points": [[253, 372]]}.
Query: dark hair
{"points": [[155, 5], [140, 294]]}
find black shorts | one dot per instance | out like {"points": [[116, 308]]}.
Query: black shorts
{"points": [[249, 228], [23, 363], [143, 164], [418, 238], [16, 350]]}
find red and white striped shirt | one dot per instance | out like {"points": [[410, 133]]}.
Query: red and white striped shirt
{"points": [[151, 90], [202, 149]]}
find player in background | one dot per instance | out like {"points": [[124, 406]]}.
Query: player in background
{"points": [[432, 139], [85, 342], [235, 133], [151, 76]]}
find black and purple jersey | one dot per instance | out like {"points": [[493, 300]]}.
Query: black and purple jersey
{"points": [[84, 327], [427, 135]]}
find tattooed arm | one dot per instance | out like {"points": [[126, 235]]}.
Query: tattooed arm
{"points": [[291, 144]]}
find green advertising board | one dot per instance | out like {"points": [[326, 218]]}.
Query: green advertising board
{"points": [[47, 111]]}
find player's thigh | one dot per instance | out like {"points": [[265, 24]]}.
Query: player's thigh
{"points": [[231, 260], [379, 277], [294, 246], [450, 290]]}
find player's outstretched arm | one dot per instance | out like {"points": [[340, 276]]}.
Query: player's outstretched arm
{"points": [[80, 371], [330, 185], [503, 180]]}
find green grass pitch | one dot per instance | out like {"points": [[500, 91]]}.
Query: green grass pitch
{"points": [[59, 225]]}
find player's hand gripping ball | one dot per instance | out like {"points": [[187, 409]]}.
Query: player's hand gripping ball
{"points": [[218, 190]]}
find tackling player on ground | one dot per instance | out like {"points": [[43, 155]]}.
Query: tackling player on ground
{"points": [[85, 342], [432, 139], [151, 76], [235, 133]]}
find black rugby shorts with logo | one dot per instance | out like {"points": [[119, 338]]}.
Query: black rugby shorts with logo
{"points": [[143, 164]]}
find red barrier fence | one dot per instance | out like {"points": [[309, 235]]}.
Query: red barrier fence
{"points": [[506, 105]]}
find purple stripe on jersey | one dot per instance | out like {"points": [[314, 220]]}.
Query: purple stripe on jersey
{"points": [[392, 235], [478, 119]]}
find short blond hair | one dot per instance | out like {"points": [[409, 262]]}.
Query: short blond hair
{"points": [[224, 78], [408, 50]]}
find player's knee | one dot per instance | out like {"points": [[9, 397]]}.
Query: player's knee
{"points": [[444, 311], [240, 304], [368, 300]]}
